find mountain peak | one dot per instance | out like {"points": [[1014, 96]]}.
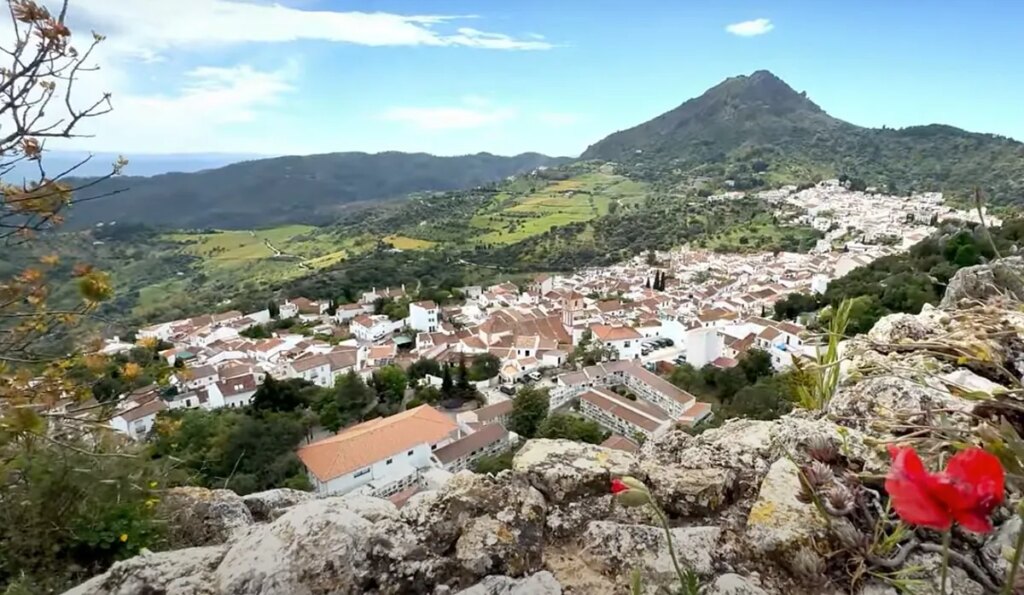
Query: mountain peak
{"points": [[759, 107], [761, 88]]}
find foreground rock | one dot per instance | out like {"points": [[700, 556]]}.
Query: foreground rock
{"points": [[542, 583], [197, 516], [266, 506], [1001, 279], [549, 525]]}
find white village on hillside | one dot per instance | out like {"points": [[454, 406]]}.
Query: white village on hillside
{"points": [[713, 309]]}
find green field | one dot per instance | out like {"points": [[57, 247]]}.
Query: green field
{"points": [[513, 218], [407, 243]]}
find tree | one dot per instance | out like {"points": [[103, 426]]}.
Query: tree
{"points": [[756, 364], [389, 383], [422, 367], [353, 396], [485, 366], [280, 395], [571, 427], [763, 400], [494, 464], [430, 395], [273, 309], [529, 408], [447, 386], [68, 493]]}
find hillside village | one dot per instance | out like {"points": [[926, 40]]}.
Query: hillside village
{"points": [[636, 319]]}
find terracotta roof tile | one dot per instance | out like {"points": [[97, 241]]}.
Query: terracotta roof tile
{"points": [[375, 440]]}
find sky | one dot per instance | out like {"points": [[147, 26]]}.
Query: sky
{"points": [[457, 77]]}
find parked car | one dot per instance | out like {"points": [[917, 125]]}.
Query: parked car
{"points": [[508, 389], [534, 376]]}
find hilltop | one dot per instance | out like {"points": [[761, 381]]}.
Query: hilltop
{"points": [[756, 130], [310, 189]]}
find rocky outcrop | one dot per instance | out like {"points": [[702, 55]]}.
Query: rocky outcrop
{"points": [[197, 516], [1002, 279], [267, 506], [788, 506]]}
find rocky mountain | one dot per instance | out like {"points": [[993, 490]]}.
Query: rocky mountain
{"points": [[757, 130], [794, 505], [297, 189]]}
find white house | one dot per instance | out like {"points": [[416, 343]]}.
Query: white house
{"points": [[624, 340], [488, 441], [138, 421], [288, 310], [424, 316], [379, 457], [314, 368], [236, 392], [198, 377], [372, 329], [346, 312]]}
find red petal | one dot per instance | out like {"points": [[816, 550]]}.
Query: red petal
{"points": [[619, 487], [976, 521], [907, 485], [981, 473]]}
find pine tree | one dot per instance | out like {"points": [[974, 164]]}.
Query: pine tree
{"points": [[657, 280], [447, 386], [648, 284]]}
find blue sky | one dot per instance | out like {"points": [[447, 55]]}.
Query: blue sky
{"points": [[454, 77]]}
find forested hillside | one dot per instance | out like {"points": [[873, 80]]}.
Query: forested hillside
{"points": [[310, 189]]}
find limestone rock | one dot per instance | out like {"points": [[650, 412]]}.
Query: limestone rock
{"points": [[496, 526], [198, 516], [569, 520], [998, 550], [928, 570], [733, 584], [541, 583], [317, 547], [780, 524], [268, 505], [900, 328], [734, 458], [489, 546], [689, 492], [180, 572], [617, 549], [368, 507], [880, 401], [998, 279], [564, 470]]}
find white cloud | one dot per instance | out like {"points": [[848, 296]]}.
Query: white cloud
{"points": [[750, 28], [194, 118], [159, 56], [145, 28], [448, 118], [558, 118]]}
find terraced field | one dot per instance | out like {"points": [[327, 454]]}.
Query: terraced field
{"points": [[511, 218]]}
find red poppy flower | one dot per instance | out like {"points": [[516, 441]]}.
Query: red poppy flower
{"points": [[618, 487], [966, 492]]}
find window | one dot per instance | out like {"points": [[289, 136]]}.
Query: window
{"points": [[409, 453], [388, 462], [361, 472]]}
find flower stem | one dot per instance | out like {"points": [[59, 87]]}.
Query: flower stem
{"points": [[945, 557], [671, 548], [1018, 547]]}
